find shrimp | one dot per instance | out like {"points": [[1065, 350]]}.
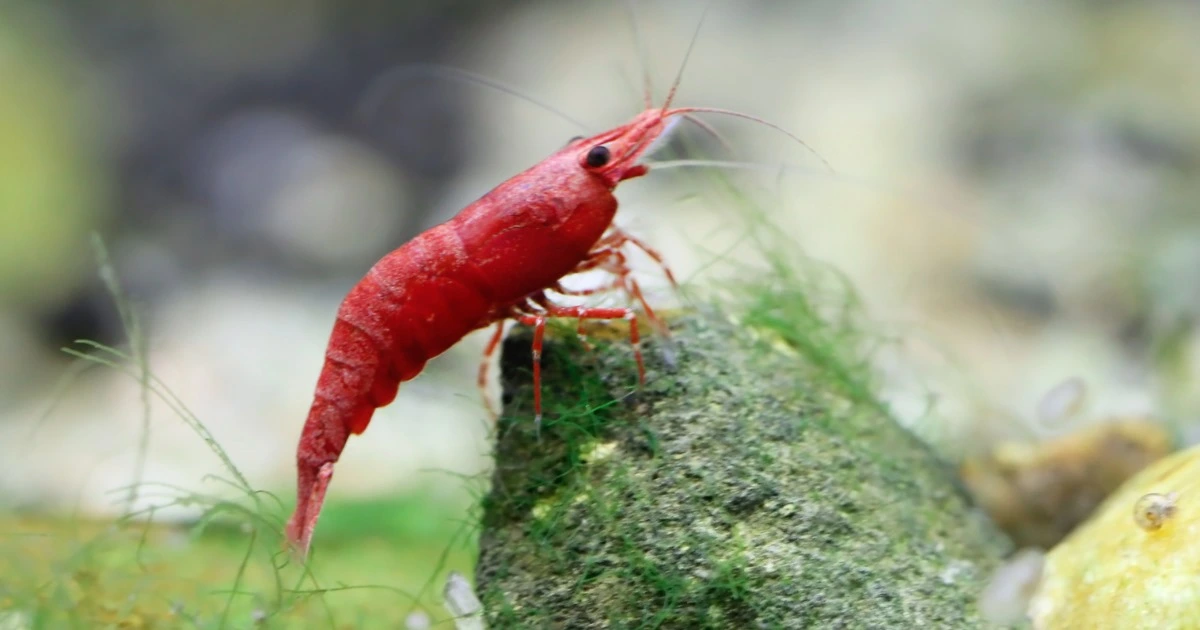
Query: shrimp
{"points": [[498, 259]]}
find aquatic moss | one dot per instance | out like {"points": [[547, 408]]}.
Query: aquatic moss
{"points": [[736, 489]]}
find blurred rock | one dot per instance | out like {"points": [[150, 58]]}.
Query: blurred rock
{"points": [[1039, 491], [317, 200]]}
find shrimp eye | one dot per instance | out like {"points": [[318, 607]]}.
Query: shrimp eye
{"points": [[598, 156]]}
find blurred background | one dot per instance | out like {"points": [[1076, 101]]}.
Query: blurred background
{"points": [[1015, 197]]}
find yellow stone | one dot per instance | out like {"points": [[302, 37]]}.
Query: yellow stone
{"points": [[1121, 569]]}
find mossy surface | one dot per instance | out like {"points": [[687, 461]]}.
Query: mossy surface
{"points": [[736, 489], [377, 561]]}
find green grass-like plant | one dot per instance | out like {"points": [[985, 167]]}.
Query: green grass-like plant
{"points": [[376, 560]]}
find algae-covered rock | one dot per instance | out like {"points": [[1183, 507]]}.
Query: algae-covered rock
{"points": [[1136, 562], [735, 490]]}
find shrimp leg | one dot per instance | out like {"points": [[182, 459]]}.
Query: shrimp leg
{"points": [[617, 237], [538, 321], [483, 367], [614, 261], [604, 288]]}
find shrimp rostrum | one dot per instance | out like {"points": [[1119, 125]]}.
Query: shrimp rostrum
{"points": [[500, 258]]}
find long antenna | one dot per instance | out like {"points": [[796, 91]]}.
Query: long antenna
{"points": [[686, 56], [710, 130], [378, 91], [736, 114], [783, 167]]}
